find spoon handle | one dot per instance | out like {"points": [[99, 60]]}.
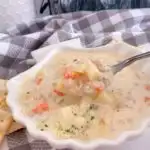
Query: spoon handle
{"points": [[118, 67]]}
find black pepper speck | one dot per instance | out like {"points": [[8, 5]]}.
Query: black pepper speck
{"points": [[67, 130], [75, 114], [92, 106], [73, 126], [46, 125], [92, 117], [75, 60]]}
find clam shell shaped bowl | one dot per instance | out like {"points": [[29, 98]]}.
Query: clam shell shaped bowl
{"points": [[14, 86]]}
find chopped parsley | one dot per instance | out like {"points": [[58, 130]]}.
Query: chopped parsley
{"points": [[69, 131]]}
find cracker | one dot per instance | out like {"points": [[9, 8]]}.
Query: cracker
{"points": [[5, 123], [3, 93], [1, 137], [14, 127]]}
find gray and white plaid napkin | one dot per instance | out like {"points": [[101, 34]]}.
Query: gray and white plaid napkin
{"points": [[132, 26]]}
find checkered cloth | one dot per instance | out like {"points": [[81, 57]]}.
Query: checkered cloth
{"points": [[133, 26]]}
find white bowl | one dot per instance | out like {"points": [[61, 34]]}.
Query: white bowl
{"points": [[14, 86]]}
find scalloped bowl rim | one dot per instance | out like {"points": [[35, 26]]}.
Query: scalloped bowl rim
{"points": [[62, 143]]}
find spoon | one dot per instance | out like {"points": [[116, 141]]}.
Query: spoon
{"points": [[118, 67], [115, 68]]}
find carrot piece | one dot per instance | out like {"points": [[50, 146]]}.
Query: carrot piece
{"points": [[73, 75], [147, 99], [99, 88], [58, 93], [147, 87], [44, 106], [76, 75], [38, 81], [67, 75], [39, 78], [35, 110], [41, 108]]}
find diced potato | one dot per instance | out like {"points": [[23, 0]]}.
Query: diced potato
{"points": [[93, 72], [107, 98]]}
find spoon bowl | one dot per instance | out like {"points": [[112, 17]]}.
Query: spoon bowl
{"points": [[118, 67]]}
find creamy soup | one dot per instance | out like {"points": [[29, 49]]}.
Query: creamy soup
{"points": [[77, 96]]}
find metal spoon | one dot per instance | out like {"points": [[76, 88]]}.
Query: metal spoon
{"points": [[115, 68], [118, 67]]}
